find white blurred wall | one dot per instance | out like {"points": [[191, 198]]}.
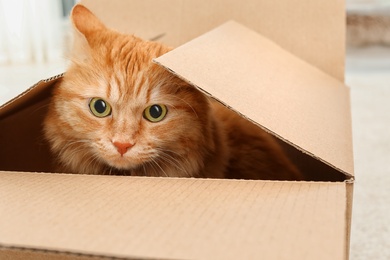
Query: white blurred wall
{"points": [[32, 31]]}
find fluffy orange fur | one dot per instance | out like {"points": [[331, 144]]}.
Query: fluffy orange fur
{"points": [[198, 137]]}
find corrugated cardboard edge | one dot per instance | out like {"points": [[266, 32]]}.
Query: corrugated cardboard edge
{"points": [[349, 202], [35, 90], [21, 253]]}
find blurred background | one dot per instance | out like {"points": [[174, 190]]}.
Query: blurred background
{"points": [[35, 39], [367, 73]]}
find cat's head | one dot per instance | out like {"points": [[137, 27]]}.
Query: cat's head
{"points": [[115, 110]]}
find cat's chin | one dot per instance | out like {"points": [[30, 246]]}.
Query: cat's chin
{"points": [[122, 163]]}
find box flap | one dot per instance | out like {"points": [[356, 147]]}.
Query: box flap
{"points": [[172, 218], [312, 30], [34, 94], [292, 99]]}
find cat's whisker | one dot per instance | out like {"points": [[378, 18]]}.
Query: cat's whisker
{"points": [[90, 161], [169, 163], [70, 152], [152, 167], [70, 143], [88, 164], [145, 169], [176, 162], [76, 153], [173, 161], [181, 157], [94, 160], [41, 107], [156, 163]]}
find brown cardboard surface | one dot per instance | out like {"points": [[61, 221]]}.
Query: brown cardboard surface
{"points": [[23, 147], [294, 100], [348, 215], [172, 218], [312, 30]]}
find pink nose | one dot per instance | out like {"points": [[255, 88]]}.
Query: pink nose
{"points": [[122, 147]]}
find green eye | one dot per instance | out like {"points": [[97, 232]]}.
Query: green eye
{"points": [[99, 107], [155, 113]]}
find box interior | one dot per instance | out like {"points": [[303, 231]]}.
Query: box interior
{"points": [[232, 57], [21, 137]]}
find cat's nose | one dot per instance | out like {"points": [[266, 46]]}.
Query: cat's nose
{"points": [[122, 147]]}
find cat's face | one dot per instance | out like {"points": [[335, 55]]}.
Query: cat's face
{"points": [[116, 108]]}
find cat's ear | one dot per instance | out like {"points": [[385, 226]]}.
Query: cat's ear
{"points": [[86, 25], [85, 21]]}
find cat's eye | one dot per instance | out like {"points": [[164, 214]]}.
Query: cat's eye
{"points": [[99, 107], [155, 113]]}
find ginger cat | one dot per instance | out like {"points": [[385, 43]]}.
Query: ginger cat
{"points": [[116, 112]]}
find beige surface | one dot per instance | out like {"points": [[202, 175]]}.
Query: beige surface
{"points": [[368, 74], [173, 218], [289, 97]]}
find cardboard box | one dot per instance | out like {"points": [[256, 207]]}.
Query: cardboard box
{"points": [[290, 86]]}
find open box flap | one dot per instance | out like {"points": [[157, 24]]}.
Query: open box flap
{"points": [[27, 98], [311, 30], [173, 218], [292, 99]]}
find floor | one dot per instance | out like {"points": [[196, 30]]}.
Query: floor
{"points": [[368, 75]]}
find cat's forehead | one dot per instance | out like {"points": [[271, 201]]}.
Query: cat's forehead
{"points": [[125, 72], [142, 86]]}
